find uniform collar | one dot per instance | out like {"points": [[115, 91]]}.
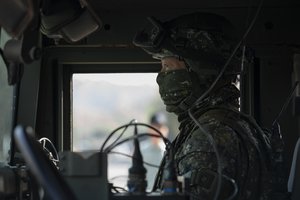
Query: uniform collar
{"points": [[225, 96]]}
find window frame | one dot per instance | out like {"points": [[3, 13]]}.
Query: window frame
{"points": [[68, 60]]}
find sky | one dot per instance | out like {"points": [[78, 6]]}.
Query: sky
{"points": [[130, 79]]}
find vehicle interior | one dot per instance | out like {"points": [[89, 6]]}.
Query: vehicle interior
{"points": [[54, 55]]}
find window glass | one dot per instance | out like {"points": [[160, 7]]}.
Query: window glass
{"points": [[103, 102], [6, 104]]}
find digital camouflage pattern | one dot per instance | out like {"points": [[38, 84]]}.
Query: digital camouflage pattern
{"points": [[205, 42], [242, 146]]}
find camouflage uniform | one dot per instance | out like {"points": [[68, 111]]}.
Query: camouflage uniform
{"points": [[242, 146], [205, 42]]}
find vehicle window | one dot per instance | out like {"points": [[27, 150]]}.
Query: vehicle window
{"points": [[104, 102], [6, 104]]}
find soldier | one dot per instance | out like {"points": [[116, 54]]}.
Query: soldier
{"points": [[221, 150]]}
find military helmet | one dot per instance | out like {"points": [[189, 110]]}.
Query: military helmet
{"points": [[159, 118], [203, 40]]}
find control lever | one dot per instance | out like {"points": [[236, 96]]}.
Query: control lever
{"points": [[137, 172], [40, 166]]}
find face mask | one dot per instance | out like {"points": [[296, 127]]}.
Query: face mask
{"points": [[174, 87]]}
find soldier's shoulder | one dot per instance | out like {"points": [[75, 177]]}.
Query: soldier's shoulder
{"points": [[212, 124]]}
